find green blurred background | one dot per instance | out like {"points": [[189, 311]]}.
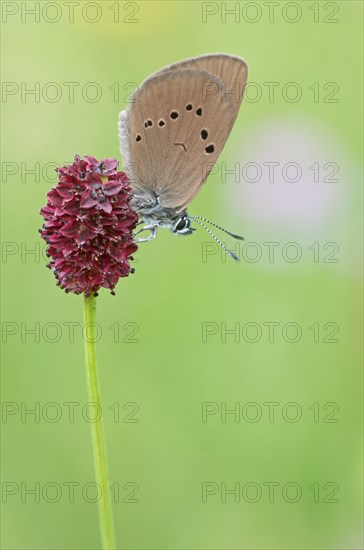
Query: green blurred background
{"points": [[158, 367]]}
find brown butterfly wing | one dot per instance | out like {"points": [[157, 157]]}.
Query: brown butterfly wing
{"points": [[176, 127]]}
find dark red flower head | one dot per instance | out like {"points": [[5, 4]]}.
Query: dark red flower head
{"points": [[88, 226]]}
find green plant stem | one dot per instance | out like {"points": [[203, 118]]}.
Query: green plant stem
{"points": [[97, 428]]}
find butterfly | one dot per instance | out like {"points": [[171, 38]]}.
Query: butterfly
{"points": [[172, 134]]}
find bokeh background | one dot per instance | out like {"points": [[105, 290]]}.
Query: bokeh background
{"points": [[163, 355]]}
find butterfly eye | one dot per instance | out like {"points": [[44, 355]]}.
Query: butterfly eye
{"points": [[161, 123], [182, 225], [174, 115], [189, 107]]}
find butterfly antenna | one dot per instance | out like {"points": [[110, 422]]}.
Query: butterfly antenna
{"points": [[218, 226], [234, 256]]}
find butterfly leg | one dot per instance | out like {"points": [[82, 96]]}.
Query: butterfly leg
{"points": [[153, 231], [146, 227]]}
